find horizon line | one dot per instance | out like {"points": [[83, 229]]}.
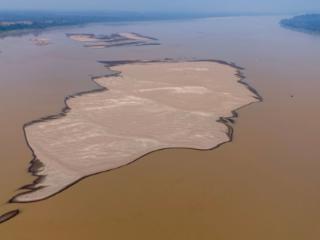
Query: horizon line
{"points": [[159, 12]]}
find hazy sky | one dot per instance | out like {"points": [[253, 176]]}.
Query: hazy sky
{"points": [[167, 5]]}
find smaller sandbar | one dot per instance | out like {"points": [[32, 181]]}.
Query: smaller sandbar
{"points": [[40, 41], [7, 216], [113, 40]]}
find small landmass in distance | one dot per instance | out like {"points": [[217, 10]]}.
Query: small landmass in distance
{"points": [[113, 40], [40, 41]]}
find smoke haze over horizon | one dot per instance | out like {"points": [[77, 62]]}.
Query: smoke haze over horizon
{"points": [[167, 5]]}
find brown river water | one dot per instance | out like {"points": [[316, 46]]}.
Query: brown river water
{"points": [[264, 185]]}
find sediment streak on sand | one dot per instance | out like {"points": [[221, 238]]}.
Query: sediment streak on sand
{"points": [[147, 106]]}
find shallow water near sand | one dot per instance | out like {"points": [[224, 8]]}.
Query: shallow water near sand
{"points": [[263, 185]]}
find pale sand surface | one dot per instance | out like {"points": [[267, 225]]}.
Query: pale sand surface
{"points": [[82, 37], [149, 106], [134, 36]]}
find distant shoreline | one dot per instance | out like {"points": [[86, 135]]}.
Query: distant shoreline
{"points": [[17, 23], [308, 23]]}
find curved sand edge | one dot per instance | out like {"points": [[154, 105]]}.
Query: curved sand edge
{"points": [[36, 167]]}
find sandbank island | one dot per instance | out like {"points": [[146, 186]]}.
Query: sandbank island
{"points": [[143, 106]]}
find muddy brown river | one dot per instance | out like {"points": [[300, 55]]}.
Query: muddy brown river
{"points": [[264, 185]]}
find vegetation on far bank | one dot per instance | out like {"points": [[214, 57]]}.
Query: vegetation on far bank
{"points": [[308, 22], [38, 20]]}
